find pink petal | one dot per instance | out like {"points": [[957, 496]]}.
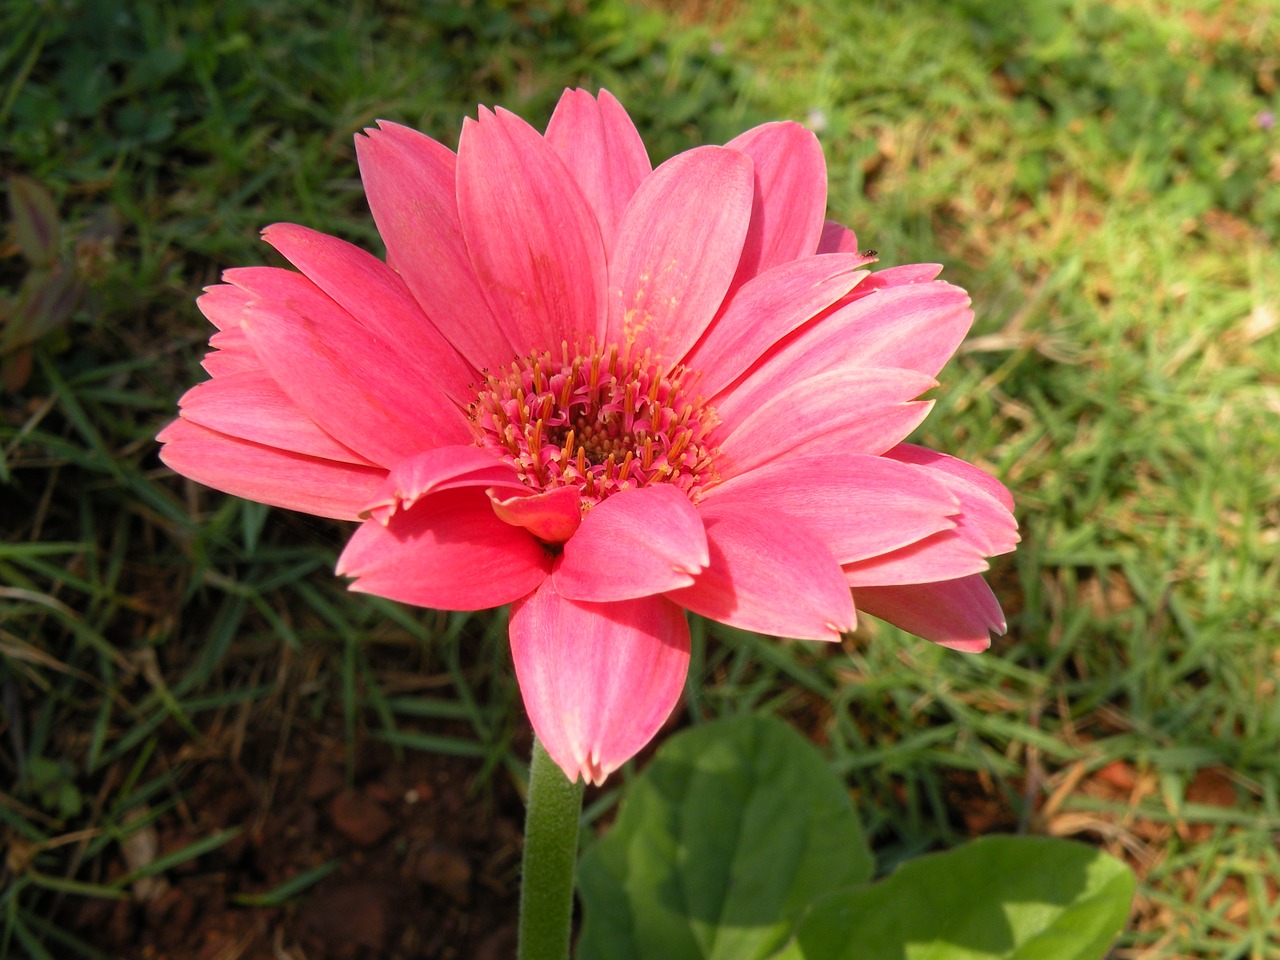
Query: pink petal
{"points": [[916, 326], [326, 488], [837, 238], [764, 310], [449, 552], [442, 468], [599, 144], [377, 298], [598, 679], [636, 543], [962, 474], [902, 275], [411, 186], [250, 405], [943, 556], [860, 506], [838, 413], [770, 574], [986, 508], [678, 248], [352, 383], [790, 196], [222, 304], [256, 285], [960, 614], [533, 238], [423, 149], [552, 516], [273, 283], [231, 353]]}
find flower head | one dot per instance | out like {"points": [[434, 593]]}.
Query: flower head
{"points": [[605, 394]]}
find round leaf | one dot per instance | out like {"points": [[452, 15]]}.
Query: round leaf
{"points": [[1012, 898], [732, 831]]}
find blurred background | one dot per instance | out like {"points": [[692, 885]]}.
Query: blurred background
{"points": [[209, 749]]}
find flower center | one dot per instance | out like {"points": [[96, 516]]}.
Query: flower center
{"points": [[600, 419]]}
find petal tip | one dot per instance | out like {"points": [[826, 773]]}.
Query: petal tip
{"points": [[590, 768], [837, 631]]}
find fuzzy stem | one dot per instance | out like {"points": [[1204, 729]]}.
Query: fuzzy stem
{"points": [[550, 854]]}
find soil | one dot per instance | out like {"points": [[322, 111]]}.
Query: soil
{"points": [[416, 858]]}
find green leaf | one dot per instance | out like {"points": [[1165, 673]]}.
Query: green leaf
{"points": [[45, 301], [1015, 898], [728, 836], [35, 220]]}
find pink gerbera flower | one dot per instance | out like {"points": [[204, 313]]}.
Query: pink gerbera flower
{"points": [[604, 394]]}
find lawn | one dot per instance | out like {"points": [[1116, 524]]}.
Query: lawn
{"points": [[212, 749]]}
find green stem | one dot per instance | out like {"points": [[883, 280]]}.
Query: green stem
{"points": [[550, 854]]}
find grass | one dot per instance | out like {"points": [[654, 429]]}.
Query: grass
{"points": [[1100, 175]]}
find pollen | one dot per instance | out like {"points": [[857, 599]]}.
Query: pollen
{"points": [[602, 419]]}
